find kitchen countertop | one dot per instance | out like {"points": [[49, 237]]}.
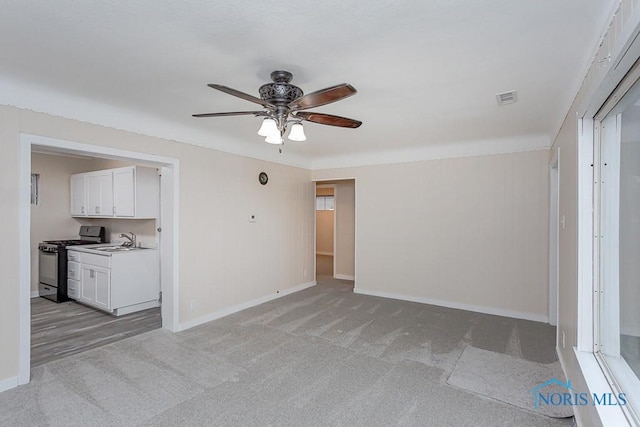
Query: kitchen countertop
{"points": [[92, 249]]}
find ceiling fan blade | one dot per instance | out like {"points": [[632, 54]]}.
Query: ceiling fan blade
{"points": [[232, 113], [327, 119], [323, 96], [242, 95]]}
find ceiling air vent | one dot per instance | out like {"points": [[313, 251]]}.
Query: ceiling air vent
{"points": [[505, 98]]}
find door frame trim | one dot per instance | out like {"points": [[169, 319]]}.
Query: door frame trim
{"points": [[169, 253], [355, 228], [335, 208], [555, 223]]}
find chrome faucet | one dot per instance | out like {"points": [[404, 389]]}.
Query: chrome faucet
{"points": [[131, 239]]}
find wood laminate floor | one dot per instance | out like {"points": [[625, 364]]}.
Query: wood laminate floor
{"points": [[60, 330]]}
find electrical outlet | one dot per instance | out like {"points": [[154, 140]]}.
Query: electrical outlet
{"points": [[563, 339], [252, 218], [192, 305]]}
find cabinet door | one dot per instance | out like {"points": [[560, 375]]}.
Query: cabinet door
{"points": [[78, 195], [100, 193], [88, 285], [95, 286], [103, 287], [124, 192]]}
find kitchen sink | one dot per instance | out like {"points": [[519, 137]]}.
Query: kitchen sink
{"points": [[116, 248]]}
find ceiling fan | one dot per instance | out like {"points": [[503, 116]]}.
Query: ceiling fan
{"points": [[283, 104]]}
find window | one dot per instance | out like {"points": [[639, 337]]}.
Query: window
{"points": [[617, 246], [35, 188], [325, 203]]}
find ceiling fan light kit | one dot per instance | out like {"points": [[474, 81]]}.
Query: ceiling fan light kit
{"points": [[297, 132], [269, 127], [274, 139], [282, 103]]}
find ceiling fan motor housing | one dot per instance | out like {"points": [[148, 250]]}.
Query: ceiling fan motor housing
{"points": [[280, 92]]}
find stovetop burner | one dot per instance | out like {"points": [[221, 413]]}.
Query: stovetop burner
{"points": [[71, 242], [88, 234]]}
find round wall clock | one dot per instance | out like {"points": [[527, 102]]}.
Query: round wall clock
{"points": [[263, 178]]}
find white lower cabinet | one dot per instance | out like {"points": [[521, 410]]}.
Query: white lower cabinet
{"points": [[73, 289], [119, 283], [73, 277], [95, 286]]}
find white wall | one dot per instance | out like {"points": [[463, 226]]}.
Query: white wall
{"points": [[324, 232], [218, 191], [467, 232]]}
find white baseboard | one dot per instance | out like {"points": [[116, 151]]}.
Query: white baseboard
{"points": [[344, 277], [236, 308], [8, 384], [324, 253], [576, 410], [136, 307], [632, 332], [35, 294], [457, 305]]}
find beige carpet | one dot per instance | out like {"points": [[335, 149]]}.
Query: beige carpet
{"points": [[323, 356], [508, 379]]}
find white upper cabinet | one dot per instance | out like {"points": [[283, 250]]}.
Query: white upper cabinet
{"points": [[99, 193], [78, 195], [124, 192], [129, 192]]}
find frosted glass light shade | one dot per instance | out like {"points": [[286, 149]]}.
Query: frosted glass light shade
{"points": [[269, 127], [274, 139], [297, 133]]}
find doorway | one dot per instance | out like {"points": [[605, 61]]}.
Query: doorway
{"points": [[325, 231], [335, 231], [168, 243], [65, 326], [554, 223]]}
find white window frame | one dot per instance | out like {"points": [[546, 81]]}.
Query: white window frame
{"points": [[606, 204], [595, 368], [615, 55], [35, 188], [324, 203]]}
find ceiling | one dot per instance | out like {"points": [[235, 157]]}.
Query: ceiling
{"points": [[427, 72]]}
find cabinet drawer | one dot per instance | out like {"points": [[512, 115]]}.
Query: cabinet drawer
{"points": [[73, 256], [73, 270], [73, 289], [97, 260]]}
